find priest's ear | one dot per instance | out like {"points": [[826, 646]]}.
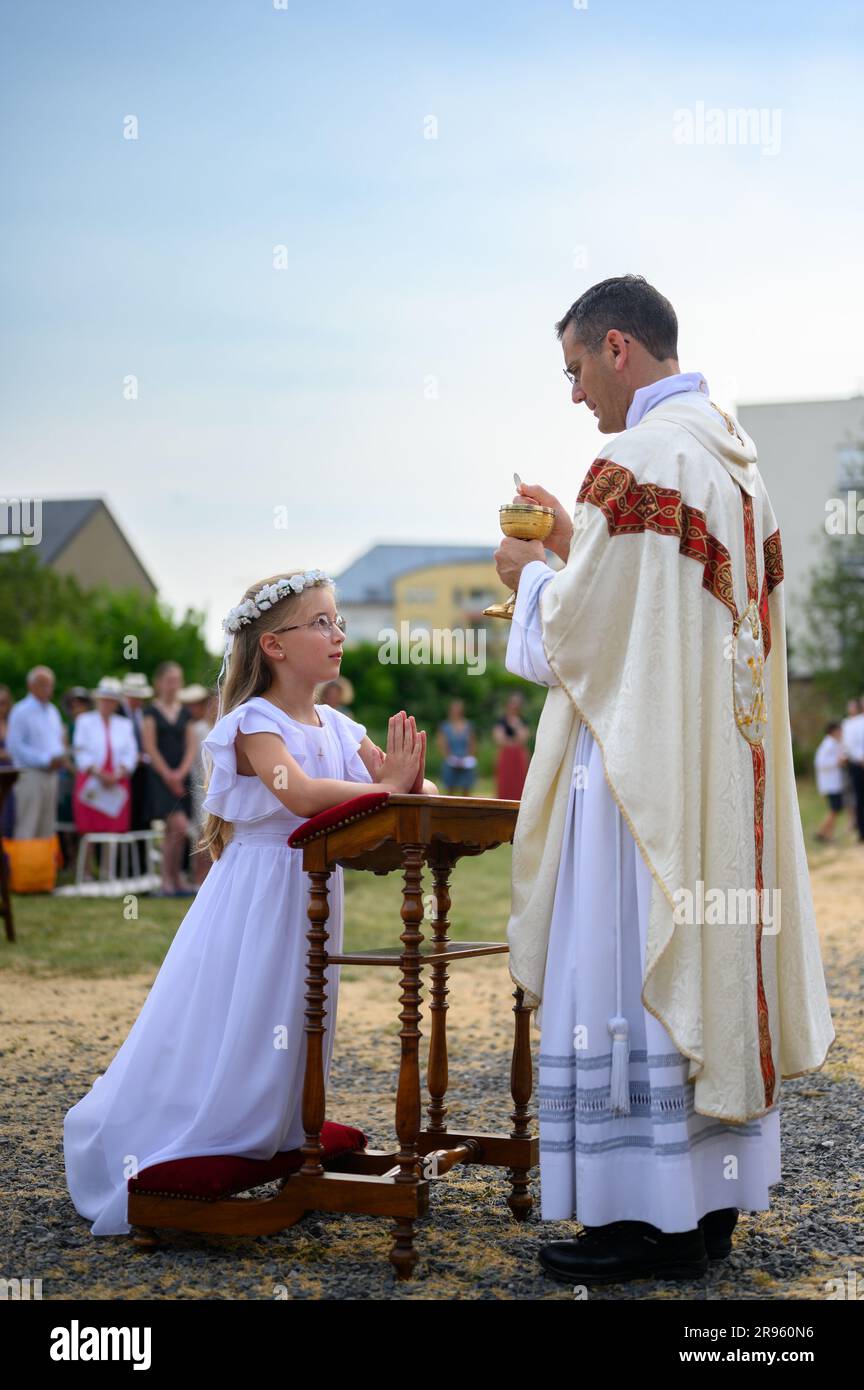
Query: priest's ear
{"points": [[619, 345]]}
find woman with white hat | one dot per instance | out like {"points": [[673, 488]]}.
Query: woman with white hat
{"points": [[105, 757]]}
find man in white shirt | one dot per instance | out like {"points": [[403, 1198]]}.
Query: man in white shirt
{"points": [[37, 744], [853, 740]]}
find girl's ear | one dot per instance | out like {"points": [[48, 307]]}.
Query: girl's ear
{"points": [[269, 644]]}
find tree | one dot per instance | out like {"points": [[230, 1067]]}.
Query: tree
{"points": [[48, 619], [832, 642]]}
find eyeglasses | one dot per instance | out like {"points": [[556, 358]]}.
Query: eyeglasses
{"points": [[592, 348], [324, 624]]}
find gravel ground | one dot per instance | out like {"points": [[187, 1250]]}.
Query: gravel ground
{"points": [[58, 1034]]}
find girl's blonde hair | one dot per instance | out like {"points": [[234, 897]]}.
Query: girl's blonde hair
{"points": [[249, 675]]}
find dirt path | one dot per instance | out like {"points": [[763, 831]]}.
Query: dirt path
{"points": [[57, 1034]]}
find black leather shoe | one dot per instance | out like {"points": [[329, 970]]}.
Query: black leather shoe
{"points": [[626, 1250], [717, 1228]]}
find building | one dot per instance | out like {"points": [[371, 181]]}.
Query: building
{"points": [[431, 587], [809, 453], [78, 537]]}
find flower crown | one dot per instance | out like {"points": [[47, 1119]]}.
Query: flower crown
{"points": [[252, 608]]}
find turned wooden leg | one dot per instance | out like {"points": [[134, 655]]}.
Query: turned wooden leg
{"points": [[313, 1080], [437, 1073], [403, 1256], [519, 1200]]}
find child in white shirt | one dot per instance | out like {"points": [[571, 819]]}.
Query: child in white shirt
{"points": [[829, 763]]}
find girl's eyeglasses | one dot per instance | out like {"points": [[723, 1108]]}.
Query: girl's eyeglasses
{"points": [[324, 624]]}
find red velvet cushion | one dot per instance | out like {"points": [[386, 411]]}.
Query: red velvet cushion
{"points": [[220, 1175], [334, 816]]}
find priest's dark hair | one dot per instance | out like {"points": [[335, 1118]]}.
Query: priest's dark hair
{"points": [[630, 304]]}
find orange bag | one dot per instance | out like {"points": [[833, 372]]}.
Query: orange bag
{"points": [[33, 864]]}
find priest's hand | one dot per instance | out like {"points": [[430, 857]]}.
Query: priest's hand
{"points": [[513, 555], [558, 540]]}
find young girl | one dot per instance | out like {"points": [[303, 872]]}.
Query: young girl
{"points": [[214, 1062]]}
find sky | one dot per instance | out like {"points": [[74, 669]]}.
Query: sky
{"points": [[311, 306]]}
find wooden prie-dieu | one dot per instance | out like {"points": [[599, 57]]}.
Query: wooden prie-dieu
{"points": [[381, 833]]}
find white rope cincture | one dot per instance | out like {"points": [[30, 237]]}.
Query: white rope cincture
{"points": [[619, 1028]]}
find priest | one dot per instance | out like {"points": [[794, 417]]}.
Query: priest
{"points": [[662, 922]]}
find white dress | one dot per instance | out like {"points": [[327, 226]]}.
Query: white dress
{"points": [[662, 1163], [214, 1062]]}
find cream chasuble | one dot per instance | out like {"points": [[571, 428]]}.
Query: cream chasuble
{"points": [[653, 1158], [665, 632]]}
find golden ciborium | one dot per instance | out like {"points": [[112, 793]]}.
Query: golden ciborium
{"points": [[527, 522]]}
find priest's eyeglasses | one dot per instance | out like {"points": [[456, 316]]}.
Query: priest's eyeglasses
{"points": [[324, 624]]}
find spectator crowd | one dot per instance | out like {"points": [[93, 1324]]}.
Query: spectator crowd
{"points": [[125, 756], [839, 766]]}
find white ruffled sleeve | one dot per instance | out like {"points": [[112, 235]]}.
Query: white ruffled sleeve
{"points": [[232, 795], [351, 735]]}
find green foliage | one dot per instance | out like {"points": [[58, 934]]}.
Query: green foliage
{"points": [[380, 689], [46, 618], [92, 937], [834, 642]]}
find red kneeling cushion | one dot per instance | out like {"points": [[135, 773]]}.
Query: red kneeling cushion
{"points": [[335, 816], [220, 1175]]}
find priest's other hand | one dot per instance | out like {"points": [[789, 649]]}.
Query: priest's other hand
{"points": [[558, 540], [513, 555]]}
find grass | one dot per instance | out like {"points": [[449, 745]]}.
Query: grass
{"points": [[99, 937]]}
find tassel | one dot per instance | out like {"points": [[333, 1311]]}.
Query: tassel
{"points": [[619, 1090], [619, 1028]]}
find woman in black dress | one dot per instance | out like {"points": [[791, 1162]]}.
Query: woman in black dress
{"points": [[169, 741]]}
